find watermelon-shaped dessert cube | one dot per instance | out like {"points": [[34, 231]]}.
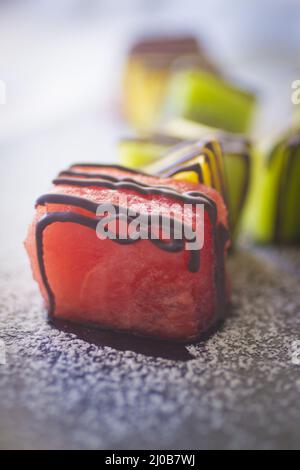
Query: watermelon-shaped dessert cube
{"points": [[102, 255]]}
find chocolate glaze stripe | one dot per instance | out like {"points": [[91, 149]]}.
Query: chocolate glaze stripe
{"points": [[209, 152], [108, 166], [172, 169], [166, 41], [219, 164], [181, 159], [75, 201], [104, 176], [201, 143], [236, 145], [240, 147], [83, 203], [186, 159], [165, 172], [211, 147], [89, 175], [43, 223], [177, 46], [173, 246], [191, 197], [196, 168], [64, 199], [193, 153]]}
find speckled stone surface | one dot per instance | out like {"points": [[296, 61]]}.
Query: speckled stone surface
{"points": [[72, 388], [64, 388]]}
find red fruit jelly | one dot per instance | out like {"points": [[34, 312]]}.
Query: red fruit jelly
{"points": [[143, 285]]}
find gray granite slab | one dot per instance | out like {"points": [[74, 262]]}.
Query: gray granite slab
{"points": [[65, 387]]}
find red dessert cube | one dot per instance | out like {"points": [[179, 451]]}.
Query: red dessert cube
{"points": [[146, 286]]}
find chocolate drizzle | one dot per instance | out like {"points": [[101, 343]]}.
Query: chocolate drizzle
{"points": [[182, 52], [89, 175], [164, 169], [172, 164], [192, 197], [196, 168], [172, 245], [166, 45], [177, 160], [107, 166], [172, 169]]}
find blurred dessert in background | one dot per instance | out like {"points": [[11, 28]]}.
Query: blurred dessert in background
{"points": [[210, 99], [237, 155], [273, 213], [235, 165], [149, 67], [141, 150]]}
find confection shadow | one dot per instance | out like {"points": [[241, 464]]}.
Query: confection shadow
{"points": [[125, 342]]}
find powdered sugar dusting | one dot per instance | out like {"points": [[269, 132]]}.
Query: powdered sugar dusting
{"points": [[237, 389]]}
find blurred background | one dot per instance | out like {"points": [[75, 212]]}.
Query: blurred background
{"points": [[61, 61]]}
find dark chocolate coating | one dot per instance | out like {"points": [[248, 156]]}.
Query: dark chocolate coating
{"points": [[107, 167], [143, 189], [195, 168], [180, 45]]}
